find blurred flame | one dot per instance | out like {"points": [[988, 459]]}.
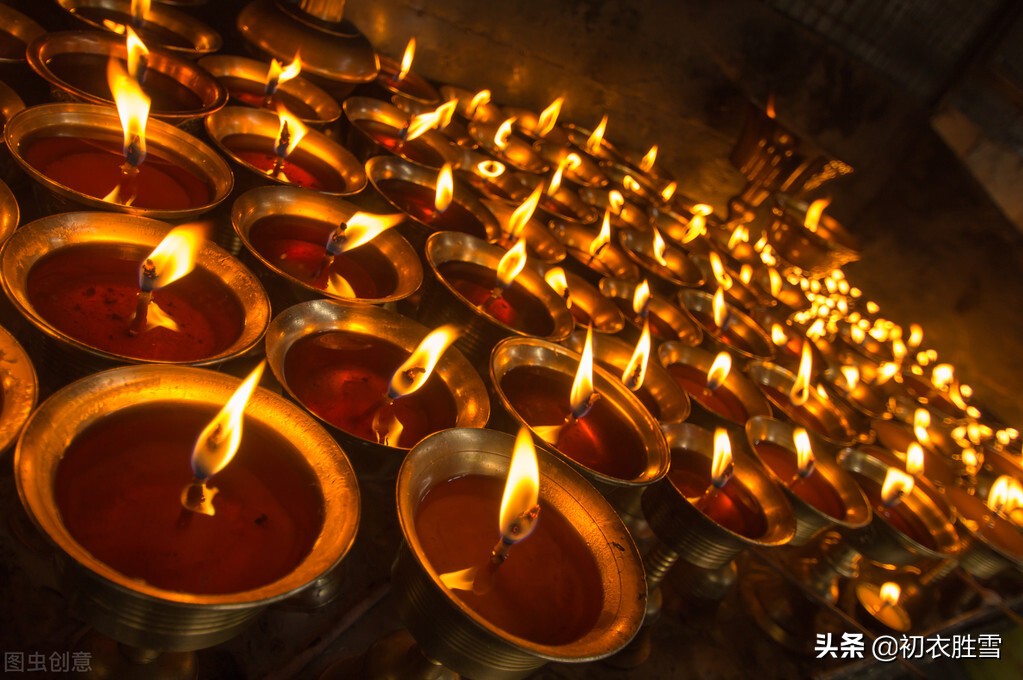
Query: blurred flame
{"points": [[521, 216], [719, 370], [420, 124], [660, 247], [769, 107], [521, 490], [1005, 495], [445, 188], [921, 421], [581, 396], [719, 308], [406, 60], [445, 112], [548, 117], [914, 459], [279, 73], [916, 335], [631, 184], [718, 267], [970, 459], [857, 334], [220, 439], [896, 485], [512, 263], [804, 451], [851, 375], [635, 371], [778, 335], [173, 258], [139, 10], [504, 131], [481, 98], [814, 212], [942, 376], [739, 235], [133, 110], [669, 191], [339, 285], [137, 53], [721, 465], [746, 274], [774, 279], [603, 237], [649, 159], [616, 201], [570, 161], [890, 593], [291, 133], [490, 169], [800, 390], [641, 297], [555, 278], [597, 136], [416, 370], [361, 228]]}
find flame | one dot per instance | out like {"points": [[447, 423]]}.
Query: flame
{"points": [[1005, 495], [649, 159], [581, 396], [857, 335], [137, 53], [769, 107], [778, 335], [597, 136], [698, 222], [921, 421], [814, 212], [739, 235], [719, 370], [512, 263], [615, 201], [521, 216], [774, 278], [133, 110], [570, 161], [890, 593], [718, 267], [420, 124], [173, 258], [746, 274], [660, 247], [391, 434], [641, 298], [915, 459], [417, 369], [804, 451], [800, 391], [669, 191], [504, 131], [464, 579], [896, 485], [521, 496], [898, 350], [291, 133], [339, 286], [278, 73], [631, 184], [635, 371], [942, 376], [603, 237], [445, 112], [219, 441], [555, 278], [719, 308], [916, 335], [139, 10], [445, 188], [851, 375], [548, 117], [481, 98], [361, 228], [721, 465], [970, 459], [490, 169], [406, 60]]}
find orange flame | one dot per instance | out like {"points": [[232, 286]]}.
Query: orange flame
{"points": [[521, 216], [581, 396], [490, 169], [555, 278], [418, 368], [291, 133], [669, 191], [631, 184], [719, 308], [635, 370], [660, 247], [718, 267], [746, 274], [922, 421], [139, 10], [521, 499], [649, 159], [778, 335], [915, 459], [481, 98], [173, 258], [603, 237], [721, 465], [942, 376], [406, 60], [132, 109], [896, 485], [814, 212], [445, 188], [774, 279], [890, 593], [597, 136], [719, 370], [137, 53], [503, 133], [739, 235], [445, 112], [1005, 495], [800, 391], [220, 439], [420, 124], [851, 375], [916, 335], [512, 263], [361, 228], [698, 222], [339, 286], [278, 73], [641, 297], [769, 107], [615, 201], [548, 117], [570, 161], [804, 451]]}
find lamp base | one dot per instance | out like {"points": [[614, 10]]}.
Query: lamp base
{"points": [[395, 655]]}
